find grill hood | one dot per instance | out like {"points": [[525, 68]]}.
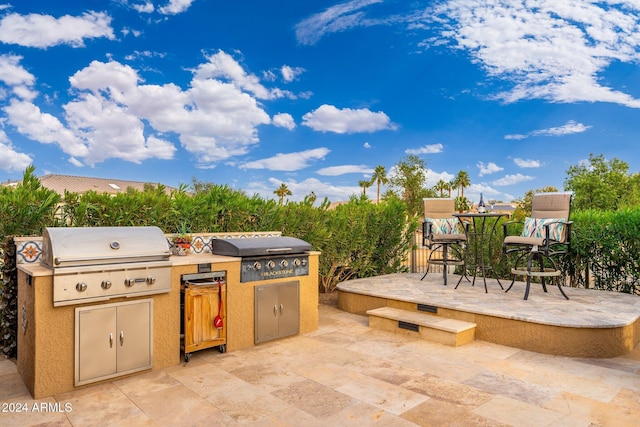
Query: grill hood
{"points": [[239, 247], [81, 246]]}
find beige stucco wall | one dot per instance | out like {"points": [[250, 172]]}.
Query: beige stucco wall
{"points": [[46, 341], [46, 333], [548, 339], [241, 304]]}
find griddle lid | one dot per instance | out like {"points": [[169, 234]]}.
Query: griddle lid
{"points": [[260, 246]]}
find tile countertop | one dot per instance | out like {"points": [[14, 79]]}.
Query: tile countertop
{"points": [[36, 269]]}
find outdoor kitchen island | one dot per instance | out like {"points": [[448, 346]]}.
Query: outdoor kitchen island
{"points": [[46, 333]]}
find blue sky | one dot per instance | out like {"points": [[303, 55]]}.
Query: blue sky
{"points": [[316, 94]]}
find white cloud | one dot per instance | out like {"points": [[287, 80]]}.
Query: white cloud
{"points": [[175, 6], [146, 7], [526, 163], [224, 67], [44, 31], [284, 120], [12, 161], [427, 149], [366, 145], [14, 74], [288, 162], [328, 118], [75, 162], [512, 179], [289, 74], [488, 169], [547, 49], [345, 169], [568, 128], [340, 17], [114, 115], [433, 177]]}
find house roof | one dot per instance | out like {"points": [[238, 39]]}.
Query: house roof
{"points": [[83, 184]]}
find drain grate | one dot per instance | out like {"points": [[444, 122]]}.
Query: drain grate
{"points": [[428, 308], [408, 326]]}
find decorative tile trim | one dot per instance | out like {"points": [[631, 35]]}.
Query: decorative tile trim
{"points": [[29, 249]]}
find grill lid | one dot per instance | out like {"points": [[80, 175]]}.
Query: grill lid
{"points": [[78, 246], [240, 247]]}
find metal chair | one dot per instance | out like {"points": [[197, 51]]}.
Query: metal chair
{"points": [[441, 230], [545, 236]]}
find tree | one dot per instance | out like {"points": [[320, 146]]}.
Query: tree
{"points": [[602, 184], [365, 183], [379, 176], [441, 186], [462, 181], [409, 178], [282, 192]]}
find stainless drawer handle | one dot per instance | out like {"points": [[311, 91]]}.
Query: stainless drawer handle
{"points": [[275, 310], [110, 340], [281, 309], [121, 338]]}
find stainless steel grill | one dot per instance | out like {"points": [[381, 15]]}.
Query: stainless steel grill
{"points": [[267, 257], [100, 263]]}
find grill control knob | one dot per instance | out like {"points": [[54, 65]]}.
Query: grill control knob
{"points": [[81, 286], [296, 262], [151, 280], [284, 263], [257, 265], [129, 282], [271, 264], [106, 284]]}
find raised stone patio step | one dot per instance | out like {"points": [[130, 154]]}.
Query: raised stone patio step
{"points": [[439, 329]]}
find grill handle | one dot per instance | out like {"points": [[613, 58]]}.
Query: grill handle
{"points": [[279, 250], [58, 260]]}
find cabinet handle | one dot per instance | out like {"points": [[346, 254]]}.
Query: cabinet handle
{"points": [[110, 340], [275, 310], [121, 338], [281, 309]]}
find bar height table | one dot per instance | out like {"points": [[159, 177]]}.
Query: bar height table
{"points": [[478, 234]]}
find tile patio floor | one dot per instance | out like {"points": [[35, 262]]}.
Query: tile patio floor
{"points": [[345, 374]]}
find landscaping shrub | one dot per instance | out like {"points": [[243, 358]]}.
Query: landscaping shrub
{"points": [[606, 247]]}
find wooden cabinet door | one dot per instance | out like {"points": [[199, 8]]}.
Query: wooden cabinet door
{"points": [[96, 343], [201, 306]]}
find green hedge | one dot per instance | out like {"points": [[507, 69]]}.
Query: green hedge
{"points": [[357, 239], [605, 249]]}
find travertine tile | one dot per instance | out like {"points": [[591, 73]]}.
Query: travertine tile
{"points": [[315, 399], [436, 412], [518, 413]]}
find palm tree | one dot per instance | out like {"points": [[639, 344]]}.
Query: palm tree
{"points": [[380, 176], [441, 186], [462, 180], [282, 191], [365, 183]]}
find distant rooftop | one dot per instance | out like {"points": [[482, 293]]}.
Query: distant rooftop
{"points": [[83, 184]]}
